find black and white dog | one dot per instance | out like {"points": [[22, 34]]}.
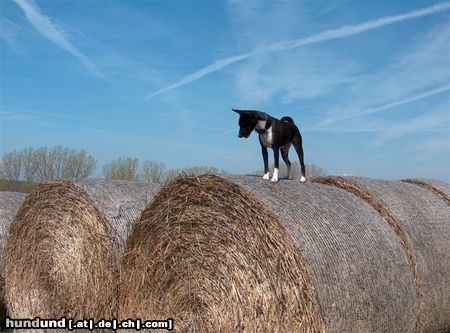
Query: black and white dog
{"points": [[275, 134]]}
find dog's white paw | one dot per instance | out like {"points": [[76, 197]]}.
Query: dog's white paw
{"points": [[302, 179], [275, 175], [266, 176]]}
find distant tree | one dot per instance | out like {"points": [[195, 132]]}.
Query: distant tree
{"points": [[44, 164], [79, 165], [193, 171], [11, 166], [313, 170], [60, 163], [123, 168], [172, 174], [28, 165], [153, 172], [199, 170]]}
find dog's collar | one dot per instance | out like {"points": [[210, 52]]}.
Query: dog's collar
{"points": [[260, 131]]}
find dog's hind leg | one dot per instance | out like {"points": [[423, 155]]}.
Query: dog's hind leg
{"points": [[297, 141], [285, 156]]}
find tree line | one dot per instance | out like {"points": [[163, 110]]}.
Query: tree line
{"points": [[128, 168], [42, 164], [24, 169]]}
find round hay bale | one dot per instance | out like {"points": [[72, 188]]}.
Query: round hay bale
{"points": [[422, 221], [240, 254], [439, 188], [9, 205], [65, 246]]}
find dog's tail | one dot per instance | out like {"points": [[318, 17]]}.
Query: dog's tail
{"points": [[287, 119]]}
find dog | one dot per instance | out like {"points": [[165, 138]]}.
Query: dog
{"points": [[275, 134]]}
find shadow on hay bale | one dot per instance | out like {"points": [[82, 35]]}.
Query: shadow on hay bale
{"points": [[422, 223], [65, 245], [239, 254], [9, 205]]}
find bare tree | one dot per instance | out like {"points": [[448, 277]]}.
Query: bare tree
{"points": [[44, 170], [11, 165], [313, 170], [153, 172], [59, 163], [172, 174], [79, 165], [193, 171], [28, 165], [123, 168], [44, 164]]}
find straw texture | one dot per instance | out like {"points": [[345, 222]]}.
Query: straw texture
{"points": [[65, 247], [441, 189], [422, 221], [9, 205], [239, 254]]}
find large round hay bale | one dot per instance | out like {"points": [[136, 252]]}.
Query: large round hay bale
{"points": [[422, 221], [244, 255], [439, 188], [65, 246], [9, 205]]}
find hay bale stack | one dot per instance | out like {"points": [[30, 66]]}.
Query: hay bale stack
{"points": [[9, 205], [65, 247], [244, 255], [422, 223]]}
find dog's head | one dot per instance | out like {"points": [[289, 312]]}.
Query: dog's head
{"points": [[248, 121]]}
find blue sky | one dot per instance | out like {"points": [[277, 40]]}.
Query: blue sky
{"points": [[367, 82]]}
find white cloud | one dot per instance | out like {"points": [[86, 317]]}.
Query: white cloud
{"points": [[8, 32], [387, 106], [432, 120], [256, 23], [303, 75], [342, 32], [418, 71], [437, 121], [51, 31]]}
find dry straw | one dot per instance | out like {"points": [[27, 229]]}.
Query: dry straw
{"points": [[65, 247], [9, 205], [441, 189], [421, 220], [240, 254], [360, 190]]}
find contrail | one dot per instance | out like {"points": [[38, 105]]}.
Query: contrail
{"points": [[387, 106], [50, 31], [342, 32]]}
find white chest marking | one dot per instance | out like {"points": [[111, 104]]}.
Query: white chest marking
{"points": [[261, 124], [267, 138]]}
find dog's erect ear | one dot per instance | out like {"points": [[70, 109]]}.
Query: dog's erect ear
{"points": [[238, 111]]}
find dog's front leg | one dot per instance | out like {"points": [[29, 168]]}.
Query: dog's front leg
{"points": [[265, 155], [276, 156]]}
